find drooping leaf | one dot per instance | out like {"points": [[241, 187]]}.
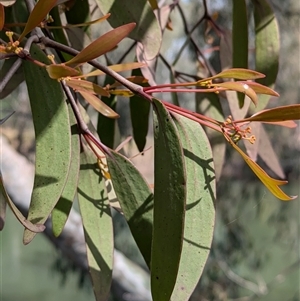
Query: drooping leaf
{"points": [[169, 204], [78, 13], [200, 211], [98, 104], [139, 114], [53, 140], [239, 38], [106, 126], [15, 80], [26, 223], [240, 87], [86, 85], [270, 183], [267, 46], [278, 114], [103, 44], [97, 224], [38, 14], [63, 207], [147, 31], [136, 200]]}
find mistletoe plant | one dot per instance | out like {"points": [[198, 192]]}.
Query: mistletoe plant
{"points": [[173, 223]]}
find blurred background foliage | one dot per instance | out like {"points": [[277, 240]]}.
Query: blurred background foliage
{"points": [[255, 252]]}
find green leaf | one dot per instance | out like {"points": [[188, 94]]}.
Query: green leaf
{"points": [[78, 13], [102, 45], [53, 140], [147, 29], [15, 80], [106, 126], [27, 224], [135, 198], [239, 39], [200, 210], [267, 46], [169, 204], [97, 224], [139, 113], [63, 207]]}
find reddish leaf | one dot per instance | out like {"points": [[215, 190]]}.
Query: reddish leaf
{"points": [[102, 45], [98, 104], [239, 87], [236, 73], [37, 15], [260, 89], [279, 114]]}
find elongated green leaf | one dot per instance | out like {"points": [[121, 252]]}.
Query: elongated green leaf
{"points": [[106, 126], [78, 13], [239, 38], [63, 207], [53, 140], [102, 45], [147, 31], [27, 224], [267, 44], [38, 14], [169, 204], [136, 200], [139, 113], [200, 211], [97, 224]]}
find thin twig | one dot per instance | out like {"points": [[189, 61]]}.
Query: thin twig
{"points": [[131, 86], [10, 74]]}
